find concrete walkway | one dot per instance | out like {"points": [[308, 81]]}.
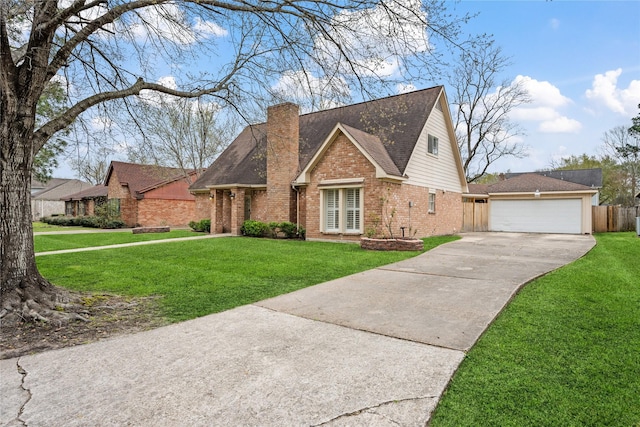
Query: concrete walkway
{"points": [[373, 349]]}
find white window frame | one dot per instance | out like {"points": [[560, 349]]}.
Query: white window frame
{"points": [[349, 218], [432, 144], [432, 202]]}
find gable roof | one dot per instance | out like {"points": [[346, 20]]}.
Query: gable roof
{"points": [[58, 188], [142, 178], [532, 182], [90, 193], [389, 125], [588, 177]]}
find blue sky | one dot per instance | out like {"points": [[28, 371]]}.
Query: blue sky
{"points": [[582, 62]]}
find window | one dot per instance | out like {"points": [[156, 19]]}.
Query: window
{"points": [[432, 147], [432, 202], [353, 209], [342, 210], [332, 210]]}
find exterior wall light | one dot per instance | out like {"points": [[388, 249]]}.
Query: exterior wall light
{"points": [[536, 194]]}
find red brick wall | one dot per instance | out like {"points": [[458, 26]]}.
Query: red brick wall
{"points": [[128, 205], [282, 160], [203, 206], [259, 209], [343, 160], [178, 190], [158, 212]]}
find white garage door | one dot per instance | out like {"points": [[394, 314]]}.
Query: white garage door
{"points": [[536, 215]]}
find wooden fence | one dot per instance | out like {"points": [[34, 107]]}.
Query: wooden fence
{"points": [[614, 218], [475, 216]]}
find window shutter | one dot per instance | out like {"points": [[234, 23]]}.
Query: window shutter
{"points": [[353, 209], [332, 208]]}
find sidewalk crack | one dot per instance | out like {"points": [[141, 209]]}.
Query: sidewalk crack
{"points": [[371, 409], [24, 374]]}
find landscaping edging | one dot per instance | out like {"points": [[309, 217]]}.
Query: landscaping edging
{"points": [[140, 230], [391, 244]]}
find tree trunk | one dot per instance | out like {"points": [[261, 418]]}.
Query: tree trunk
{"points": [[24, 293]]}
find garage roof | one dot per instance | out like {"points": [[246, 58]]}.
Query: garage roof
{"points": [[532, 182]]}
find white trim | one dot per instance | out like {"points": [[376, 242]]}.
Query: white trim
{"points": [[342, 183]]}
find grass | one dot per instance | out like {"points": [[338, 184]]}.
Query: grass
{"points": [[200, 277], [57, 242], [41, 226], [565, 352]]}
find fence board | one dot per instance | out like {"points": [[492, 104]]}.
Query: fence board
{"points": [[614, 218], [475, 216]]}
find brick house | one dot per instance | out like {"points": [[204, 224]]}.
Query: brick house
{"points": [[362, 169], [148, 195], [84, 202]]}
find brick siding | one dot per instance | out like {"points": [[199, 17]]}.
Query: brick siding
{"points": [[282, 160]]}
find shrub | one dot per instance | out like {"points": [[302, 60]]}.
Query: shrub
{"points": [[204, 225], [289, 229], [253, 228], [84, 221]]}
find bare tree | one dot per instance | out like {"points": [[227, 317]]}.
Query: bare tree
{"points": [[180, 133], [92, 167], [622, 144], [481, 106], [108, 51]]}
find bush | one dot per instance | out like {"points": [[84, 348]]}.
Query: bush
{"points": [[290, 230], [253, 228], [204, 225], [84, 221]]}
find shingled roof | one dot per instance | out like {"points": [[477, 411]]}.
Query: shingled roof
{"points": [[589, 177], [89, 193], [386, 128], [142, 178], [532, 182]]}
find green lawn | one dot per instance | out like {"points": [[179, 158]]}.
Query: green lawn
{"points": [[56, 242], [565, 352], [200, 277], [41, 226]]}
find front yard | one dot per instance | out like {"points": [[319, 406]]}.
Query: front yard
{"points": [[199, 277], [565, 352]]}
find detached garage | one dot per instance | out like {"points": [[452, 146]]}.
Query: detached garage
{"points": [[537, 204]]}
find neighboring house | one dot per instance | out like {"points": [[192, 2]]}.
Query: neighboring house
{"points": [[47, 199], [85, 202], [361, 169], [148, 195], [532, 203], [588, 177]]}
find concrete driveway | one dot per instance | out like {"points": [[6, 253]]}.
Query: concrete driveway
{"points": [[377, 349]]}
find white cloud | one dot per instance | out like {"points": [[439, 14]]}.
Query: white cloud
{"points": [[554, 23], [405, 88], [560, 124], [604, 91], [211, 28], [169, 22], [376, 38], [546, 101], [304, 87], [542, 93]]}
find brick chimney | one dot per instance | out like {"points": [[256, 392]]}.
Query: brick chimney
{"points": [[282, 160]]}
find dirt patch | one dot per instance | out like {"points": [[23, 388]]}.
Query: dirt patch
{"points": [[109, 316]]}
